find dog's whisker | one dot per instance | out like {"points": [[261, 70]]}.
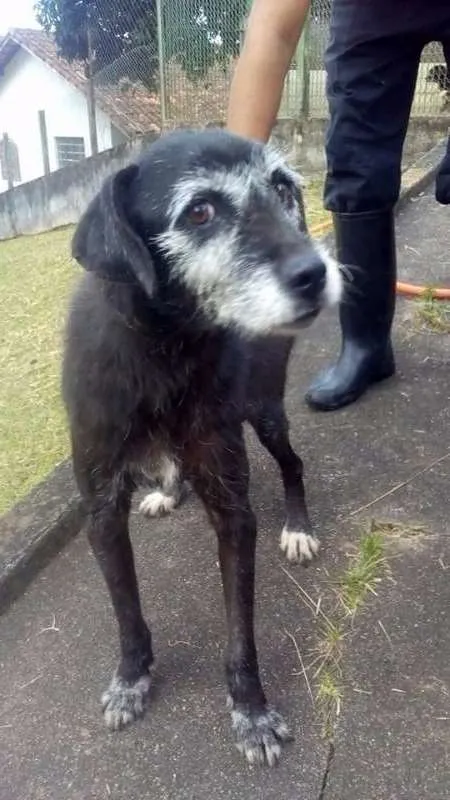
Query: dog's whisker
{"points": [[346, 272], [350, 270]]}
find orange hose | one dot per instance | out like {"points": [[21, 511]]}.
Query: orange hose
{"points": [[411, 290], [405, 289]]}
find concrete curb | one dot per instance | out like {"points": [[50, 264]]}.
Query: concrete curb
{"points": [[40, 526], [36, 529], [421, 173]]}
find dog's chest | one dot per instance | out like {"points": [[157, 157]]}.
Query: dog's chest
{"points": [[188, 402], [169, 439]]}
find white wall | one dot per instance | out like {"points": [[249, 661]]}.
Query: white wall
{"points": [[26, 87]]}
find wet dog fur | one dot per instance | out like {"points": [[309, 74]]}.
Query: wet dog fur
{"points": [[199, 273]]}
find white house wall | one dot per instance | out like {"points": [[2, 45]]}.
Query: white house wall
{"points": [[27, 86]]}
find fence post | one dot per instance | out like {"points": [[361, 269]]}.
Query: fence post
{"points": [[9, 197], [303, 60], [161, 64], [44, 141], [92, 116], [7, 161]]}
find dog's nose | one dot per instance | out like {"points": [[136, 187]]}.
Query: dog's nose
{"points": [[306, 275]]}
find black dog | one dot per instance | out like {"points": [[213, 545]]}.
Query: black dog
{"points": [[200, 271]]}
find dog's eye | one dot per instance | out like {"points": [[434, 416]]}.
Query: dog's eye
{"points": [[285, 193], [201, 213]]}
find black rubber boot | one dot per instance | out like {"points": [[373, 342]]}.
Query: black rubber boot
{"points": [[366, 245], [443, 179]]}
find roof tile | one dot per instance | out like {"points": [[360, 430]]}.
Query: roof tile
{"points": [[130, 106]]}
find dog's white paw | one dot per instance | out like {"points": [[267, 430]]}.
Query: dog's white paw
{"points": [[299, 546], [123, 702], [259, 735], [158, 503]]}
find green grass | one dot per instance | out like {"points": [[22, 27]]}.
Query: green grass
{"points": [[315, 213], [36, 275], [362, 575], [432, 314], [329, 696], [359, 579], [350, 590]]}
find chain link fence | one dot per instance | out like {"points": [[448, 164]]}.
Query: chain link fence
{"points": [[305, 90], [170, 62]]}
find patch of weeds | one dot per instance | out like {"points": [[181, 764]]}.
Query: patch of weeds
{"points": [[432, 314], [329, 696], [330, 646], [353, 586], [361, 577], [328, 682], [363, 574]]}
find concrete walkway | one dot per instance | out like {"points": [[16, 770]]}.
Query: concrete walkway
{"points": [[392, 741]]}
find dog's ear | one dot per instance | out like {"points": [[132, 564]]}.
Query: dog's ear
{"points": [[105, 242]]}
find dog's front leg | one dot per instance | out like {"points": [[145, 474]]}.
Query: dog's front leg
{"points": [[259, 730], [270, 423], [220, 478], [107, 530]]}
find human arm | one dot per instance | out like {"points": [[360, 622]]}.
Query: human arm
{"points": [[273, 32]]}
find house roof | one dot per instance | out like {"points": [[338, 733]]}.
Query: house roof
{"points": [[133, 110]]}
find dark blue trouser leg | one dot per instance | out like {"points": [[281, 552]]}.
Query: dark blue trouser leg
{"points": [[370, 87], [443, 176], [372, 64]]}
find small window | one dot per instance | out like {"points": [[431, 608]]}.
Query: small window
{"points": [[9, 160], [69, 149]]}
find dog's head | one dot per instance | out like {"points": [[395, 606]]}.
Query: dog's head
{"points": [[210, 221]]}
